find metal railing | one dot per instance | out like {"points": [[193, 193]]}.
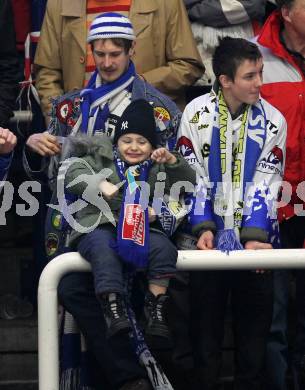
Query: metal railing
{"points": [[48, 346]]}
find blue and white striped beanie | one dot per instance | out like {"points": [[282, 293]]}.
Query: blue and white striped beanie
{"points": [[111, 25]]}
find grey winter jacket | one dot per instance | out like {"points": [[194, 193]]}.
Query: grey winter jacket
{"points": [[222, 13], [95, 154]]}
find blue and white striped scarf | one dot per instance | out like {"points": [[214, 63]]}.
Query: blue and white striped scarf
{"points": [[230, 168], [94, 99]]}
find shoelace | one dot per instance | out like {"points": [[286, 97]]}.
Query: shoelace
{"points": [[114, 309], [156, 311], [159, 312]]}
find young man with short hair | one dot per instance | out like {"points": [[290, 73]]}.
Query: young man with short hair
{"points": [[236, 142], [167, 59]]}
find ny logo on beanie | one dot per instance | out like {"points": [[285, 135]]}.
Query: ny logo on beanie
{"points": [[138, 118], [124, 125]]}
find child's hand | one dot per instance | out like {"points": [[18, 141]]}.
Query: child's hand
{"points": [[163, 156], [151, 214], [205, 241], [108, 189], [8, 141]]}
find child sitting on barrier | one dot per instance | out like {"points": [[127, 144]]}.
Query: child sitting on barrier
{"points": [[134, 167]]}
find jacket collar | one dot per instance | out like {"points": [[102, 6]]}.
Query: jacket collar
{"points": [[143, 7], [76, 8]]}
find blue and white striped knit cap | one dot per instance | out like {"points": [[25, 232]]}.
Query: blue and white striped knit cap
{"points": [[111, 25]]}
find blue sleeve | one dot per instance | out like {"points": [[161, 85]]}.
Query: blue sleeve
{"points": [[201, 216]]}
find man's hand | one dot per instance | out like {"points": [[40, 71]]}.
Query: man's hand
{"points": [[257, 245], [151, 214], [205, 241], [163, 156], [8, 141], [44, 144]]}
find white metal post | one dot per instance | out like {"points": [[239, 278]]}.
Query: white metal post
{"points": [[187, 260], [48, 350]]}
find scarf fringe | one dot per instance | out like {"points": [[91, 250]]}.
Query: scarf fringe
{"points": [[226, 241], [70, 380]]}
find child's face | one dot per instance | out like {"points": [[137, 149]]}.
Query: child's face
{"points": [[134, 148]]}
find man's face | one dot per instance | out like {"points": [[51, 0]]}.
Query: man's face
{"points": [[246, 85], [111, 61], [295, 16]]}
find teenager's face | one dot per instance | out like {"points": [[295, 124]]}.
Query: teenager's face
{"points": [[246, 85], [134, 148], [111, 61]]}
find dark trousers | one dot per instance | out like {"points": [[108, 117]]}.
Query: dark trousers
{"points": [[251, 300], [292, 236], [277, 344], [116, 359], [107, 267]]}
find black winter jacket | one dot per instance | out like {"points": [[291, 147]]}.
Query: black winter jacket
{"points": [[9, 65]]}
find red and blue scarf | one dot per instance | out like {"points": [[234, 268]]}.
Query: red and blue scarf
{"points": [[133, 226]]}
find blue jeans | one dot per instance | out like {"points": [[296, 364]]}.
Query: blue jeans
{"points": [[107, 267]]}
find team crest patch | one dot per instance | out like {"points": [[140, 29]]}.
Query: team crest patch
{"points": [[162, 115], [52, 242], [134, 224], [56, 220], [77, 103], [195, 118], [64, 110], [71, 122], [175, 207]]}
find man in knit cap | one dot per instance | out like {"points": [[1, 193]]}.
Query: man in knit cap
{"points": [[167, 59], [96, 110]]}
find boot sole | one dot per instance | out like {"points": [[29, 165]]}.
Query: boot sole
{"points": [[119, 330], [157, 342]]}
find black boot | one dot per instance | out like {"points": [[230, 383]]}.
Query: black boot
{"points": [[157, 333], [115, 314]]}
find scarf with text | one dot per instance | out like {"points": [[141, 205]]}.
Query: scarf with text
{"points": [[95, 99], [133, 226], [231, 167]]}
